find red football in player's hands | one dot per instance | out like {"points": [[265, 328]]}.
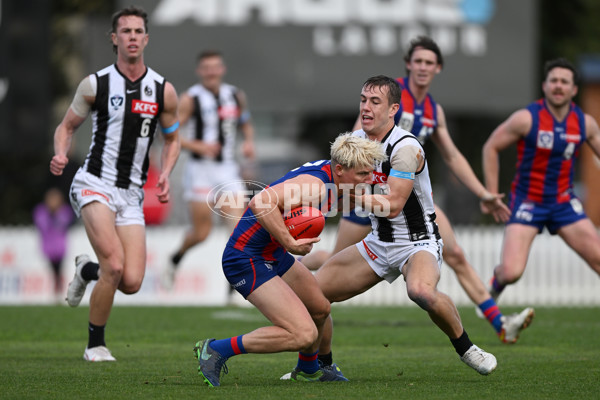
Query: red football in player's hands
{"points": [[304, 222]]}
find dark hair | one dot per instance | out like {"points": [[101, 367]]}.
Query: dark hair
{"points": [[426, 43], [394, 91], [208, 54], [561, 63], [133, 11]]}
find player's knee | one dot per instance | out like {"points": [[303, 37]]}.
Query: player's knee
{"points": [[454, 256], [423, 295], [199, 236], [507, 275], [113, 273], [305, 337], [320, 313], [130, 286]]}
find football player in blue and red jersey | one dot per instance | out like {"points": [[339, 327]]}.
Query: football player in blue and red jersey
{"points": [[548, 133], [258, 264], [423, 117]]}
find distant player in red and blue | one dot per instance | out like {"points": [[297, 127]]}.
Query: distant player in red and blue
{"points": [[548, 134], [258, 264]]}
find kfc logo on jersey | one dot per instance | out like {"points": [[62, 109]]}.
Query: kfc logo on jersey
{"points": [[379, 177], [228, 112], [144, 107]]}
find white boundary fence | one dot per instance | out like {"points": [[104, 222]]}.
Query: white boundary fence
{"points": [[555, 275]]}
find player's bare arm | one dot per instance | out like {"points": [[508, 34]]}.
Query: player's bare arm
{"points": [[491, 201], [246, 126], [505, 135], [170, 151], [74, 117], [270, 203], [593, 134]]}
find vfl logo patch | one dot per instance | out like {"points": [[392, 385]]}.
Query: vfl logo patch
{"points": [[88, 192], [545, 139], [116, 101], [144, 107]]}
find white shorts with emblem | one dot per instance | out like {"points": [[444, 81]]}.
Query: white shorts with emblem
{"points": [[387, 259], [203, 179], [125, 203]]}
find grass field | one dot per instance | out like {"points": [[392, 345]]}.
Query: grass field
{"points": [[386, 352]]}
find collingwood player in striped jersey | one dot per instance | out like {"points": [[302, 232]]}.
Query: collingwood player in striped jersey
{"points": [[213, 113], [404, 239], [128, 101]]}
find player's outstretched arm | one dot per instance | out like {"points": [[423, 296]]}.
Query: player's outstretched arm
{"points": [[506, 134]]}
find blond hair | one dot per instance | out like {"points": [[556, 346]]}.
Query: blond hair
{"points": [[353, 151]]}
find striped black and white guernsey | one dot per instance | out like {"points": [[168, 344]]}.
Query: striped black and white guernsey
{"points": [[125, 117], [216, 118], [416, 221]]}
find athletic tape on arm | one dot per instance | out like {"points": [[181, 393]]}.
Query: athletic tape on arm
{"points": [[170, 129]]}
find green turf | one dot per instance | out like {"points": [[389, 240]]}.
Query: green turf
{"points": [[386, 352]]}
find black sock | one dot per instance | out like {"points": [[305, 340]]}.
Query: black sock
{"points": [[176, 258], [89, 271], [326, 359], [462, 343], [95, 335]]}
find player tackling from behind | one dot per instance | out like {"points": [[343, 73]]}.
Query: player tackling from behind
{"points": [[258, 264], [127, 101], [404, 242], [420, 114]]}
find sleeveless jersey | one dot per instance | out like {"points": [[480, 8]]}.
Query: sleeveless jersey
{"points": [[545, 157], [124, 117], [250, 237], [419, 119], [416, 221], [216, 118]]}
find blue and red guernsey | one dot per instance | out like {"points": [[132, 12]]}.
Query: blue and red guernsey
{"points": [[419, 119], [250, 237], [545, 157]]}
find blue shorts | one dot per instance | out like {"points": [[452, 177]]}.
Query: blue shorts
{"points": [[247, 272], [553, 216], [352, 217]]}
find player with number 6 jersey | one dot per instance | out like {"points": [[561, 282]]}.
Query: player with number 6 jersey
{"points": [[127, 101]]}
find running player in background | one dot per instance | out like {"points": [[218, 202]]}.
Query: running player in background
{"points": [[548, 133], [128, 101], [258, 264], [216, 111], [419, 114]]}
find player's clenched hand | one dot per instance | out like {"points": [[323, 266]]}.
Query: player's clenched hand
{"points": [[163, 185], [302, 246], [58, 164]]}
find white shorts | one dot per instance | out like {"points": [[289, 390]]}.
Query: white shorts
{"points": [[125, 203], [203, 179], [387, 259]]}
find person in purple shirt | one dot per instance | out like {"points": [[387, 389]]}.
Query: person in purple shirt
{"points": [[53, 217]]}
